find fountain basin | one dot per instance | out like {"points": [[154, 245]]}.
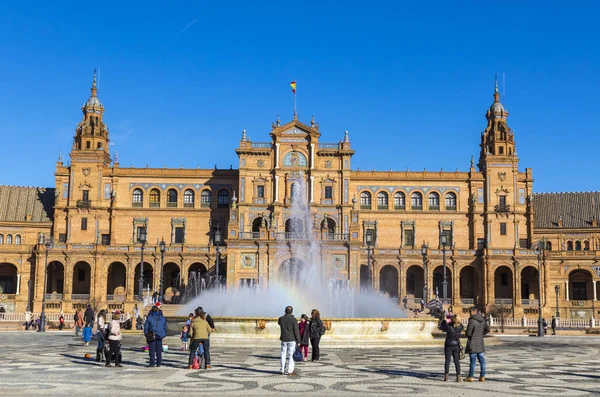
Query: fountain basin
{"points": [[341, 332]]}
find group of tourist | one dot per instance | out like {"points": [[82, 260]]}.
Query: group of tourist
{"points": [[296, 336]]}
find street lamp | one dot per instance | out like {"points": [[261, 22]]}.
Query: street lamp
{"points": [[42, 328], [141, 238], [539, 251], [424, 253], [444, 241], [369, 241], [162, 265], [217, 242], [556, 288]]}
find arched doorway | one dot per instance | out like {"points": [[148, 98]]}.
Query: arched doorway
{"points": [[148, 279], [503, 285], [388, 281], [328, 228], [530, 285], [469, 285], [438, 282], [171, 280], [8, 278], [55, 278], [580, 286], [364, 278], [292, 271], [81, 280], [116, 281], [414, 281]]}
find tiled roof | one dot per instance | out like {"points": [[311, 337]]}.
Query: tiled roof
{"points": [[17, 202], [575, 209]]}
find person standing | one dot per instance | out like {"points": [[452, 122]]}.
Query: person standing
{"points": [[114, 339], [304, 336], [61, 322], [553, 325], [316, 329], [78, 321], [290, 339], [206, 344], [87, 334], [88, 316], [155, 329], [476, 329], [100, 333], [405, 302], [451, 344], [199, 331]]}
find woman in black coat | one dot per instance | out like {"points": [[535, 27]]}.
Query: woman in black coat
{"points": [[316, 330], [452, 344]]}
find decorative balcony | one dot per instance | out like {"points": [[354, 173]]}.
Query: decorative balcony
{"points": [[84, 203], [259, 200], [205, 204], [329, 146], [140, 204], [119, 298], [502, 208], [530, 302], [188, 205], [54, 297], [250, 235], [154, 205], [417, 208], [503, 301]]}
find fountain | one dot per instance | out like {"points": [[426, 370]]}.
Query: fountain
{"points": [[249, 313]]}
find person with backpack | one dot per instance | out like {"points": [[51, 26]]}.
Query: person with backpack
{"points": [[113, 336], [88, 316], [476, 329], [316, 330], [452, 344], [155, 329]]}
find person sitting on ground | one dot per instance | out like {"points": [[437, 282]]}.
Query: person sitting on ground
{"points": [[452, 344], [199, 332]]}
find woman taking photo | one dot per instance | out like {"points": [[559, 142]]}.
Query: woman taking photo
{"points": [[316, 330], [452, 344]]}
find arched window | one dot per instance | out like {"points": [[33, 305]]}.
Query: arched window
{"points": [[188, 198], [365, 201], [382, 201], [18, 239], [9, 239], [586, 245], [569, 246], [223, 199], [138, 198], [1, 239], [548, 245], [416, 201], [578, 245], [172, 198], [434, 201], [205, 198], [155, 198], [399, 201], [450, 202]]}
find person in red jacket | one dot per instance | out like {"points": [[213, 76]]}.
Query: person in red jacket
{"points": [[304, 336]]}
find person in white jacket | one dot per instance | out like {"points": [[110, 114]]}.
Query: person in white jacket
{"points": [[100, 330], [114, 339]]}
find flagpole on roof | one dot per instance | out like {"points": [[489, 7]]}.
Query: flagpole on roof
{"points": [[295, 112]]}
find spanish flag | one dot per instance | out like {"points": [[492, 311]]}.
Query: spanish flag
{"points": [[293, 85]]}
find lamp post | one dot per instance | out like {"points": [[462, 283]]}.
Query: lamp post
{"points": [[424, 253], [539, 251], [369, 241], [556, 288], [217, 242], [444, 241], [141, 237], [42, 328], [162, 266]]}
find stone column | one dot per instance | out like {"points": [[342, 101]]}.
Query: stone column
{"points": [[455, 286], [276, 155], [517, 288], [567, 289], [312, 156], [68, 280], [593, 282], [312, 189], [276, 188]]}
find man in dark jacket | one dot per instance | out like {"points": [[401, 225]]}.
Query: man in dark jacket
{"points": [[290, 339], [476, 329], [88, 316], [155, 329]]}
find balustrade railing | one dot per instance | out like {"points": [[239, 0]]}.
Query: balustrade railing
{"points": [[329, 145], [250, 235], [54, 297], [467, 301], [530, 302], [76, 297], [503, 301], [115, 297], [261, 145]]}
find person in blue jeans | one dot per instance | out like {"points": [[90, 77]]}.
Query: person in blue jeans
{"points": [[476, 329], [155, 329]]}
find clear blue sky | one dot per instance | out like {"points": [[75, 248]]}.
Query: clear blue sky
{"points": [[411, 81]]}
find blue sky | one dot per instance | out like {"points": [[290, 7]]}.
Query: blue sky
{"points": [[410, 81]]}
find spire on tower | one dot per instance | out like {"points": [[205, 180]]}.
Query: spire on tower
{"points": [[94, 84]]}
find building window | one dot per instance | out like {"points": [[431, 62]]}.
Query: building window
{"points": [[106, 239], [138, 198], [83, 223], [504, 279], [1, 239], [548, 246], [365, 201], [85, 196], [569, 246], [503, 229], [416, 201], [382, 201], [9, 239], [188, 198], [480, 243], [172, 198], [329, 192], [18, 239], [577, 245], [586, 245], [179, 232], [523, 243], [205, 198], [87, 145], [260, 191], [450, 202], [62, 237], [501, 150], [155, 198], [434, 201], [399, 201], [502, 201], [223, 199], [409, 238], [81, 275]]}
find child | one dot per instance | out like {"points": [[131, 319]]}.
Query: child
{"points": [[184, 338], [304, 335], [87, 334]]}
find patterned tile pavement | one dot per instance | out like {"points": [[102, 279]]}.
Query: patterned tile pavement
{"points": [[53, 364]]}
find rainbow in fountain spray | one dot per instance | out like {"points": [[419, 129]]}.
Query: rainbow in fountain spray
{"points": [[302, 280]]}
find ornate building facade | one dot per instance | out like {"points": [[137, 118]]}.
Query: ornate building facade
{"points": [[378, 229]]}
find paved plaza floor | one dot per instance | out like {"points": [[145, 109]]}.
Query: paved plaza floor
{"points": [[53, 364]]}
